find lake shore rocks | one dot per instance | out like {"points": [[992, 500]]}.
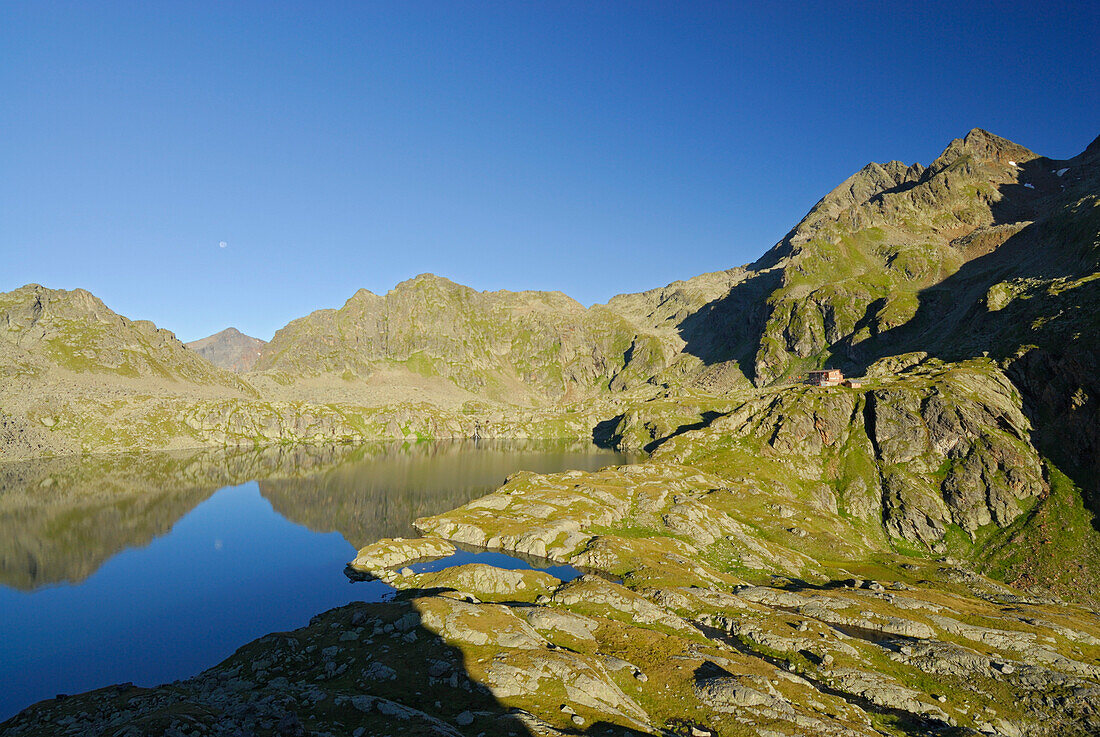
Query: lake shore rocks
{"points": [[390, 553], [699, 608], [466, 650]]}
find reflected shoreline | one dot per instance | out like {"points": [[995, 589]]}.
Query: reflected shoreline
{"points": [[61, 518], [151, 567]]}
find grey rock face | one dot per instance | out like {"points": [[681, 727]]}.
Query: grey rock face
{"points": [[727, 692], [230, 349], [884, 691], [559, 620], [585, 680]]}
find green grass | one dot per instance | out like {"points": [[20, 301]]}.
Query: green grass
{"points": [[1056, 545]]}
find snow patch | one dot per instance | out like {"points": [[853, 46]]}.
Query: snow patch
{"points": [[1060, 172], [1012, 163], [1030, 186]]}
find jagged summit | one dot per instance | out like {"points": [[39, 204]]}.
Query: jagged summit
{"points": [[870, 181], [1093, 149], [32, 312], [427, 278], [229, 349], [515, 346], [894, 193], [40, 298], [983, 147]]}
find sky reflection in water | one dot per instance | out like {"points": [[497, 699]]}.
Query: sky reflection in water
{"points": [[231, 569]]}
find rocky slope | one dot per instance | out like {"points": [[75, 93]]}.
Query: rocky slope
{"points": [[521, 347], [230, 349], [79, 378], [934, 461], [53, 330]]}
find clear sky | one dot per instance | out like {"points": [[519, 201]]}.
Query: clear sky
{"points": [[591, 147]]}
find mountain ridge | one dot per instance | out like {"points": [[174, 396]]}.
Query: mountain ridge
{"points": [[990, 250], [843, 286]]}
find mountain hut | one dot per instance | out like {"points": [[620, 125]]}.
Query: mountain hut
{"points": [[827, 377]]}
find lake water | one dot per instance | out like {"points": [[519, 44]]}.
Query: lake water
{"points": [[149, 568]]}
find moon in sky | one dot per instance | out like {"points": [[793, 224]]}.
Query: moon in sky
{"points": [[222, 244]]}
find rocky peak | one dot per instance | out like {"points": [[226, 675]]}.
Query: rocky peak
{"points": [[982, 147], [873, 194], [80, 299], [363, 295], [870, 181], [27, 306], [1093, 149], [1085, 164], [902, 173], [428, 281], [44, 329], [230, 349]]}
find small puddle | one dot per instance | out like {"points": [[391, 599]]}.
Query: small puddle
{"points": [[469, 554], [498, 560]]}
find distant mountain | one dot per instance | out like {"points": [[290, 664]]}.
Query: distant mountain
{"points": [[900, 259], [230, 349], [517, 347], [990, 250], [76, 377], [72, 333]]}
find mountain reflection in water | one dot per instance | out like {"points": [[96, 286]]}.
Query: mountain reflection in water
{"points": [[150, 567]]}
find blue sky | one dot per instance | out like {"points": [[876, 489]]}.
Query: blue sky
{"points": [[591, 147]]}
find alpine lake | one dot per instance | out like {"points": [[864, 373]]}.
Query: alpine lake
{"points": [[148, 568]]}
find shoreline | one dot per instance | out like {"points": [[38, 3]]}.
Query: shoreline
{"points": [[512, 626]]}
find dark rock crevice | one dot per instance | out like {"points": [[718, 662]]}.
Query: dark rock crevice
{"points": [[869, 427]]}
